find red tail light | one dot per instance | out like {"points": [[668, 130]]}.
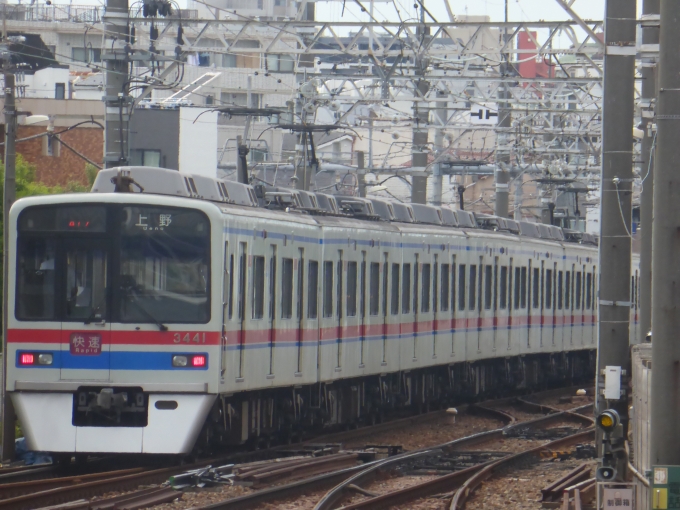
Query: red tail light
{"points": [[27, 359], [198, 361]]}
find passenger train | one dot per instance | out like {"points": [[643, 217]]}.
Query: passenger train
{"points": [[165, 313]]}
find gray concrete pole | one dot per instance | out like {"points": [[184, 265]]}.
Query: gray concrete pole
{"points": [[8, 414], [117, 99], [361, 173], [502, 177], [437, 178], [616, 185], [421, 115], [650, 35], [665, 447]]}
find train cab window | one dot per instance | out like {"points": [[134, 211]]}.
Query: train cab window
{"points": [[394, 298], [504, 288], [36, 279], [86, 286], [535, 288], [352, 289], [567, 290], [577, 294], [461, 286], [445, 288], [406, 289], [523, 285], [548, 288], [313, 290], [472, 287], [286, 288], [258, 287], [488, 287], [164, 265], [517, 281], [560, 290], [327, 289], [426, 291], [589, 283], [374, 289]]}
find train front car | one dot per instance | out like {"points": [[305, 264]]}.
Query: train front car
{"points": [[115, 328]]}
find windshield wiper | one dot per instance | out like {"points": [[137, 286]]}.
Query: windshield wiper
{"points": [[158, 323]]}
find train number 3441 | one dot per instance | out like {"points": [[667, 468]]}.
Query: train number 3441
{"points": [[188, 338]]}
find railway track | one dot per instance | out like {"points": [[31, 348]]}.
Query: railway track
{"points": [[255, 469]]}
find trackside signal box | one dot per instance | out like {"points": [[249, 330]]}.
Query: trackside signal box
{"points": [[665, 488]]}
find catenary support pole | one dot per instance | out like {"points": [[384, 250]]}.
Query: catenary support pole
{"points": [[650, 35], [8, 415], [117, 100], [665, 447], [361, 173], [437, 178], [502, 176], [419, 152], [615, 210]]}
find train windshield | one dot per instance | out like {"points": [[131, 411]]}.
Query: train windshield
{"points": [[164, 265], [133, 264]]}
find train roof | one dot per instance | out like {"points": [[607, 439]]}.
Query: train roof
{"points": [[322, 208]]}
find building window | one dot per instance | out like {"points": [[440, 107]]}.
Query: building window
{"points": [[59, 91], [86, 54], [143, 157], [282, 63]]}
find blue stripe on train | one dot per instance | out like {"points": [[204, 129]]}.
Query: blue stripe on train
{"points": [[115, 360]]}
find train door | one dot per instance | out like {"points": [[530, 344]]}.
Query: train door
{"points": [[541, 306], [435, 303], [85, 267], [273, 308], [529, 288], [339, 277], [299, 269], [462, 321], [553, 300], [385, 274], [226, 302], [362, 309], [416, 302]]}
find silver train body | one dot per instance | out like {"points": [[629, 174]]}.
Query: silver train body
{"points": [[153, 323]]}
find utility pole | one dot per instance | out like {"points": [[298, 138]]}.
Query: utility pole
{"points": [[361, 173], [421, 121], [665, 447], [8, 414], [437, 178], [615, 221], [502, 175], [650, 35], [117, 99], [418, 151]]}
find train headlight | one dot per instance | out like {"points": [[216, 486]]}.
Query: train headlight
{"points": [[45, 359], [180, 361], [608, 420]]}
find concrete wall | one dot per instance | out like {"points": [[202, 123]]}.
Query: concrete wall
{"points": [[198, 141], [155, 130]]}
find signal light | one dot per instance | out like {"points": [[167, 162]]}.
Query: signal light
{"points": [[26, 359], [198, 361], [608, 420]]}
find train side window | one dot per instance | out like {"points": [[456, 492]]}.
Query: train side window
{"points": [[453, 285], [374, 290], [327, 289], [351, 289], [567, 289], [445, 288], [589, 283], [425, 299], [523, 285], [488, 287], [517, 281], [313, 290], [535, 288], [548, 288], [461, 286], [504, 288], [577, 295], [231, 287], [560, 290], [472, 287], [394, 302], [286, 288], [406, 289], [243, 264], [258, 287], [416, 284]]}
